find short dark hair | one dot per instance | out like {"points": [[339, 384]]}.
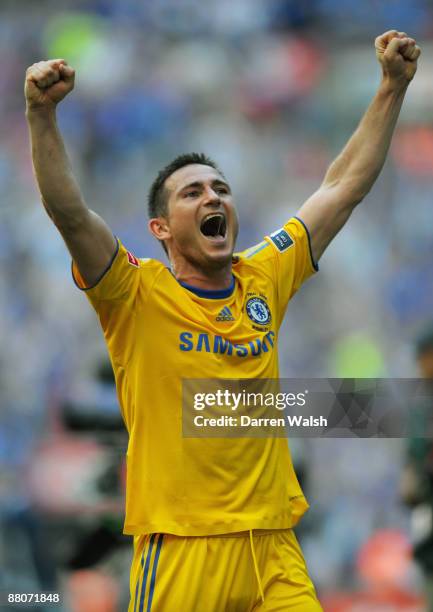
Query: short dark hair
{"points": [[157, 198]]}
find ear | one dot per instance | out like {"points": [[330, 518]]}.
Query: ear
{"points": [[159, 228]]}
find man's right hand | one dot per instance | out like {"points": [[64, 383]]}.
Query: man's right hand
{"points": [[47, 83], [88, 238]]}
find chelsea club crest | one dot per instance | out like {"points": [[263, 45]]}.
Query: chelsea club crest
{"points": [[258, 311]]}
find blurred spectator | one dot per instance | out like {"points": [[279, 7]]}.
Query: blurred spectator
{"points": [[416, 484]]}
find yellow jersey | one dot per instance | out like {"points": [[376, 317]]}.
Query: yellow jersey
{"points": [[159, 331]]}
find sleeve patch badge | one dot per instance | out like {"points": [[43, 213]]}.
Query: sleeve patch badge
{"points": [[132, 259], [281, 240]]}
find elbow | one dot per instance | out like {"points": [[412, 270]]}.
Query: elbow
{"points": [[357, 198], [66, 221], [349, 193], [359, 190]]}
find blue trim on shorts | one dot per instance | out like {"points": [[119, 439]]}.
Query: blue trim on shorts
{"points": [[138, 583], [146, 572], [155, 565]]}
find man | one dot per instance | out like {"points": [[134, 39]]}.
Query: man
{"points": [[416, 483], [212, 518]]}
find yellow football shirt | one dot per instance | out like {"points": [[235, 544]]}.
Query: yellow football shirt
{"points": [[158, 332]]}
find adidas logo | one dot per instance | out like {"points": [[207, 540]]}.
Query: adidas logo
{"points": [[225, 315]]}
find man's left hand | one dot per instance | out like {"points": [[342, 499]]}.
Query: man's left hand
{"points": [[398, 55]]}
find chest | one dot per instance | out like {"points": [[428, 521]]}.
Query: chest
{"points": [[233, 333]]}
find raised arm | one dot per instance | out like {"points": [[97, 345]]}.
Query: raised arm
{"points": [[88, 238], [353, 173]]}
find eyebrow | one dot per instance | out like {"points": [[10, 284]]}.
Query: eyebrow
{"points": [[200, 184]]}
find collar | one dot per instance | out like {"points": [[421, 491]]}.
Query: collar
{"points": [[213, 294]]}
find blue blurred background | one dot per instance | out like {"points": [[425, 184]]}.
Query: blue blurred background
{"points": [[271, 89]]}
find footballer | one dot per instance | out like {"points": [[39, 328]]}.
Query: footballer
{"points": [[212, 518]]}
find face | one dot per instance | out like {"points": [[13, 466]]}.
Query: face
{"points": [[201, 225]]}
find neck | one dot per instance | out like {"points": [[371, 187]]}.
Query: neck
{"points": [[203, 279]]}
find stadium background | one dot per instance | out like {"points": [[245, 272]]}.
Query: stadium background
{"points": [[271, 89]]}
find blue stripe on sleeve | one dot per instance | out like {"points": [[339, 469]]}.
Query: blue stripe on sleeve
{"points": [[260, 248], [314, 263], [103, 273]]}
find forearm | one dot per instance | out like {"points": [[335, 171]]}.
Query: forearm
{"points": [[359, 164], [59, 190]]}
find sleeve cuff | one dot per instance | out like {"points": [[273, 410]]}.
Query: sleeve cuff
{"points": [[78, 279], [313, 262]]}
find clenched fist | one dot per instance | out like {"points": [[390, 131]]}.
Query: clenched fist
{"points": [[47, 83], [398, 55]]}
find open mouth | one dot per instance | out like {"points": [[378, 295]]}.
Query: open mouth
{"points": [[214, 226]]}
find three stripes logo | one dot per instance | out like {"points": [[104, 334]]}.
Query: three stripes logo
{"points": [[225, 315], [145, 587]]}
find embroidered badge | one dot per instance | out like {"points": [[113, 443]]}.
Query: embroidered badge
{"points": [[132, 259], [281, 239], [258, 311]]}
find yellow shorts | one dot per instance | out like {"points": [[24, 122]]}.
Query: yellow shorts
{"points": [[248, 571]]}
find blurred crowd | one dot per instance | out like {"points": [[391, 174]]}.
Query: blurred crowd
{"points": [[271, 89]]}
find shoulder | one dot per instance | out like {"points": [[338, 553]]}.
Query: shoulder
{"points": [[276, 243], [122, 276], [251, 255], [256, 261], [126, 258]]}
